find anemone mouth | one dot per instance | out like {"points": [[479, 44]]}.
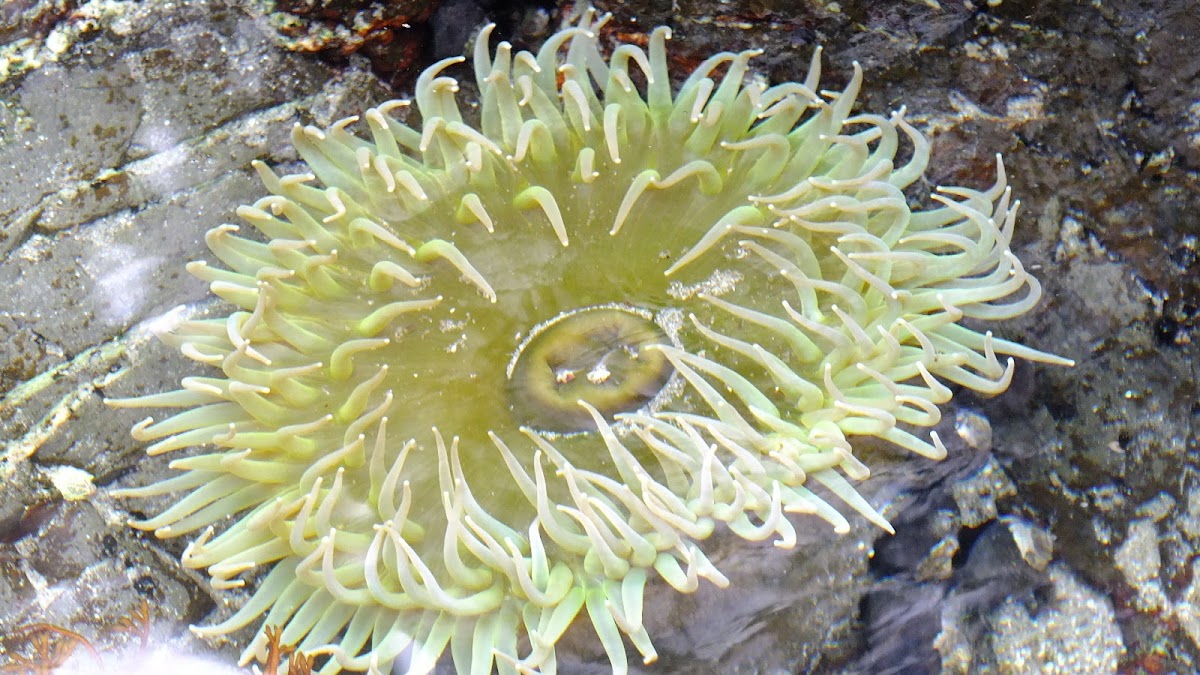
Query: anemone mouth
{"points": [[603, 356], [737, 288]]}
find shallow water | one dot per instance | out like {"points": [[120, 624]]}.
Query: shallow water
{"points": [[126, 132]]}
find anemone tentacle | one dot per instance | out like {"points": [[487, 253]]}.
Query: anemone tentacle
{"points": [[480, 382]]}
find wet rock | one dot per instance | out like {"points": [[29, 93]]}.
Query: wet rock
{"points": [[1072, 629]]}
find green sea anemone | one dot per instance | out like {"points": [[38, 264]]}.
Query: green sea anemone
{"points": [[483, 378]]}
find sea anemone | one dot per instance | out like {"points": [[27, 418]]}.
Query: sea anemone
{"points": [[482, 378]]}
